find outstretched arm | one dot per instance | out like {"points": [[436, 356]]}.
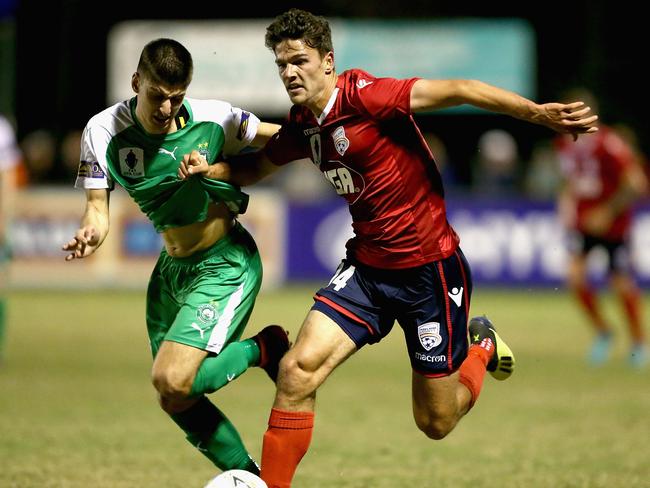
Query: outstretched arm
{"points": [[93, 228], [573, 118], [265, 131], [241, 170]]}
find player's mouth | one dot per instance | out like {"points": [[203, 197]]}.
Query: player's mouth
{"points": [[161, 121], [294, 88]]}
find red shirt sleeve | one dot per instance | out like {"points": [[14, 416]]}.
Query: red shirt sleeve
{"points": [[383, 98], [287, 145]]}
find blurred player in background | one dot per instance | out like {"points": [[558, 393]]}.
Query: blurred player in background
{"points": [[403, 263], [9, 163], [603, 178], [202, 290]]}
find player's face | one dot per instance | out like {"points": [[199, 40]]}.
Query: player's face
{"points": [[158, 104], [305, 74]]}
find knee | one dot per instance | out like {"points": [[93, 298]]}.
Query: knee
{"points": [[171, 385], [436, 427], [296, 378]]}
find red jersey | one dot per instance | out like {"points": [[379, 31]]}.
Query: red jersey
{"points": [[368, 146], [594, 166]]}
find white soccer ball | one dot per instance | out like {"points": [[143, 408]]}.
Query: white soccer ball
{"points": [[236, 478]]}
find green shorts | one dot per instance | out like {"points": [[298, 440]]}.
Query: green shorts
{"points": [[204, 300]]}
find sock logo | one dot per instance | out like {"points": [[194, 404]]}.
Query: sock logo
{"points": [[456, 294]]}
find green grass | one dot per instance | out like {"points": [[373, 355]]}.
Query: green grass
{"points": [[77, 408]]}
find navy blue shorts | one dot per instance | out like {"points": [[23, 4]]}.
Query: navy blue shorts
{"points": [[430, 302], [617, 250]]}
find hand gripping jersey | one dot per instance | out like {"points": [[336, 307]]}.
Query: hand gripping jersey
{"points": [[593, 167], [115, 148], [368, 146]]}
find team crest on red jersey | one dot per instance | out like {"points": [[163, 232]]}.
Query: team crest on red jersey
{"points": [[341, 143]]}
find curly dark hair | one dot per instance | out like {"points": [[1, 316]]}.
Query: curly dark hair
{"points": [[300, 24], [167, 61]]}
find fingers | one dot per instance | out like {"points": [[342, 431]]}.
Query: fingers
{"points": [[573, 106], [76, 247], [576, 114], [584, 122], [183, 170], [192, 163]]}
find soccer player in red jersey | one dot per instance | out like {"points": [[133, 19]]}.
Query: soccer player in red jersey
{"points": [[403, 263], [603, 179]]}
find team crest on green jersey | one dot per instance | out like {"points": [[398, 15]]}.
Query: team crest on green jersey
{"points": [[204, 151], [132, 162]]}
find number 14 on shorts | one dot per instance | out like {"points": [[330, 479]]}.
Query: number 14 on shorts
{"points": [[341, 277]]}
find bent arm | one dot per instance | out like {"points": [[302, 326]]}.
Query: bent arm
{"points": [[93, 228], [574, 118]]}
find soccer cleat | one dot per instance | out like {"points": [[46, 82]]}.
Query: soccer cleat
{"points": [[638, 356], [502, 363], [273, 342], [600, 349]]}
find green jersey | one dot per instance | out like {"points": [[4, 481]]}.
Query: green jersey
{"points": [[116, 148]]}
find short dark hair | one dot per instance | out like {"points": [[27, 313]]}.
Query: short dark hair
{"points": [[300, 24], [166, 61]]}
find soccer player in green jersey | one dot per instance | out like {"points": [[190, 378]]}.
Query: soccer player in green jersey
{"points": [[202, 290]]}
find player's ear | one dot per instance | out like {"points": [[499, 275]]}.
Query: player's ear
{"points": [[328, 61], [135, 82]]}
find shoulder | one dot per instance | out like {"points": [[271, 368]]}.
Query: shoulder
{"points": [[208, 110], [217, 111], [111, 121]]}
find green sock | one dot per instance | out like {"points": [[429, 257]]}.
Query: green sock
{"points": [[210, 431], [232, 361]]}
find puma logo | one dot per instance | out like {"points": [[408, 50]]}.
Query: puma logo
{"points": [[162, 150]]}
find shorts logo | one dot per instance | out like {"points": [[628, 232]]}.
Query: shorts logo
{"points": [[429, 335], [206, 313], [197, 327], [341, 143], [456, 294], [132, 162]]}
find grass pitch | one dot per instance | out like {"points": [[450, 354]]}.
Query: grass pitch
{"points": [[77, 409]]}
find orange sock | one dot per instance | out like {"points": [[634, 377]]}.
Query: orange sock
{"points": [[589, 302], [472, 371], [285, 443], [632, 306]]}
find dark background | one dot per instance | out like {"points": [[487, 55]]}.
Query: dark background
{"points": [[60, 49]]}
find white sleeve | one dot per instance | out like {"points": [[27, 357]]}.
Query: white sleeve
{"points": [[240, 128], [93, 171]]}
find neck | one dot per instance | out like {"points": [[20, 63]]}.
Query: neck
{"points": [[319, 105]]}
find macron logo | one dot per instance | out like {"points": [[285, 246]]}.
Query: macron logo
{"points": [[363, 83], [456, 295]]}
